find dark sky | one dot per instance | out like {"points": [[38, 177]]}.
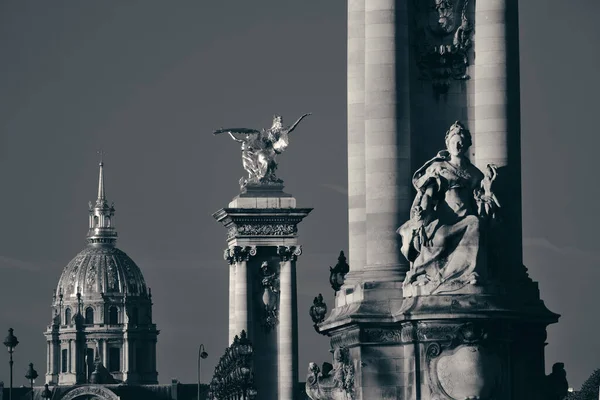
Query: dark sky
{"points": [[147, 81]]}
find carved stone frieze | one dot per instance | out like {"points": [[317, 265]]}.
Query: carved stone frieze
{"points": [[427, 332], [289, 253], [443, 37], [262, 230], [239, 253], [348, 338], [382, 335]]}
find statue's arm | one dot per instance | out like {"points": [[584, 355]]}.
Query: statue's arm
{"points": [[297, 122], [234, 138]]}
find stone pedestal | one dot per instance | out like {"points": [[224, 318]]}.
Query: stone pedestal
{"points": [[262, 252]]}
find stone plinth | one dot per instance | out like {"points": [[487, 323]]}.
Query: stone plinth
{"points": [[262, 249]]}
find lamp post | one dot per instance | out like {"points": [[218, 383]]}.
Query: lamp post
{"points": [[201, 355], [31, 375], [11, 342], [47, 393]]}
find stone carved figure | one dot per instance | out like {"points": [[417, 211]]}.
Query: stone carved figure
{"points": [[260, 148], [442, 43], [443, 239], [556, 385], [333, 382], [270, 298]]}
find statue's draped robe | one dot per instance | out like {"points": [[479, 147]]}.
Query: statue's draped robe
{"points": [[454, 251]]}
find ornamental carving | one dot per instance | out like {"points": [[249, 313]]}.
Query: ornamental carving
{"points": [[262, 230], [443, 36], [436, 332], [289, 253], [332, 382], [318, 311], [382, 335], [239, 253], [92, 391], [269, 281], [345, 339]]}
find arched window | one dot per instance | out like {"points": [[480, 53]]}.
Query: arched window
{"points": [[113, 316], [68, 316], [107, 221], [95, 221], [89, 316]]}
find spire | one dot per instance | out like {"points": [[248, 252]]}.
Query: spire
{"points": [[101, 220], [101, 197]]}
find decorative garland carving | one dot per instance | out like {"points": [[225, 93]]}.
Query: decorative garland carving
{"points": [[262, 230], [382, 335], [289, 253], [239, 253], [443, 37], [269, 281]]}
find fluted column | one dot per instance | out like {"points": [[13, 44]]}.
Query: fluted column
{"points": [[356, 137], [232, 281], [387, 136], [288, 322], [496, 110], [242, 314]]}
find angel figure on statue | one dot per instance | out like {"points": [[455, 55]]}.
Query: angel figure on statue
{"points": [[443, 239], [260, 148]]}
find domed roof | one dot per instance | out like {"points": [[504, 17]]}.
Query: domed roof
{"points": [[101, 269]]}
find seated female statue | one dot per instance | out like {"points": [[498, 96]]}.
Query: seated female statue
{"points": [[444, 237]]}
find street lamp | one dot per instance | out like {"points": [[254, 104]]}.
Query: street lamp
{"points": [[201, 355], [47, 393], [31, 375], [11, 342]]}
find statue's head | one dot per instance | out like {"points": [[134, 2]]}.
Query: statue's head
{"points": [[458, 139], [277, 122]]}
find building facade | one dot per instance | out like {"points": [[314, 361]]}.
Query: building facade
{"points": [[102, 312]]}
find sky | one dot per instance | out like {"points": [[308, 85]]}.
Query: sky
{"points": [[147, 81]]}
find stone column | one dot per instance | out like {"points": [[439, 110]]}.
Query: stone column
{"points": [[105, 353], [243, 315], [387, 136], [496, 111], [288, 322], [232, 292], [356, 137]]}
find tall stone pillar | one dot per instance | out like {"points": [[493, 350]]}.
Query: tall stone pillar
{"points": [[356, 139], [496, 112], [387, 136], [263, 243], [232, 291], [288, 322]]}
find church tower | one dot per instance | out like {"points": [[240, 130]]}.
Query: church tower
{"points": [[102, 312]]}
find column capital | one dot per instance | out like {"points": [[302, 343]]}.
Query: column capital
{"points": [[289, 253], [238, 253]]}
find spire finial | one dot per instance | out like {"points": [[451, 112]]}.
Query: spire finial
{"points": [[101, 196]]}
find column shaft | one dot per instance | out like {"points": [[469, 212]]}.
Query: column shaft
{"points": [[232, 308], [387, 136], [496, 110], [241, 297], [288, 340], [356, 136], [105, 353]]}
